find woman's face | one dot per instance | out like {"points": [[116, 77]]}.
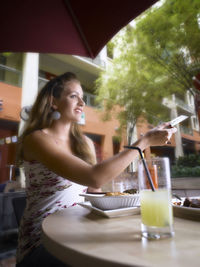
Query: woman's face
{"points": [[70, 104]]}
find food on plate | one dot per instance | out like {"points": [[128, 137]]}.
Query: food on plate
{"points": [[177, 203], [109, 194], [192, 203], [188, 202], [131, 191]]}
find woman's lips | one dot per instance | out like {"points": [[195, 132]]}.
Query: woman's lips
{"points": [[78, 110]]}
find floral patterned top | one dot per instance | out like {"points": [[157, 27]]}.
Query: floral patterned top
{"points": [[46, 193]]}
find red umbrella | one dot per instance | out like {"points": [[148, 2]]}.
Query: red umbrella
{"points": [[77, 27]]}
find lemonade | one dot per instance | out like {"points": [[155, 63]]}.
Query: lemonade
{"points": [[155, 198], [156, 208]]}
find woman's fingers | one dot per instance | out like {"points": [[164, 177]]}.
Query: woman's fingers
{"points": [[160, 135], [170, 132], [164, 125], [173, 130]]}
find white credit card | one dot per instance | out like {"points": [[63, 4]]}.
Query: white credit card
{"points": [[178, 120]]}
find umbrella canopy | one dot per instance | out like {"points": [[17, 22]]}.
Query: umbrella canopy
{"points": [[76, 27]]}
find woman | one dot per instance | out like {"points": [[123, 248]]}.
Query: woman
{"points": [[60, 162]]}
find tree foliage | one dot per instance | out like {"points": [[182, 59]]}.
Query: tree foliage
{"points": [[157, 57]]}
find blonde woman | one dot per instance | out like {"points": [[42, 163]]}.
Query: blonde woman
{"points": [[60, 162]]}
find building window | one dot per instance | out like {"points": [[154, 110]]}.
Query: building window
{"points": [[89, 100], [195, 123]]}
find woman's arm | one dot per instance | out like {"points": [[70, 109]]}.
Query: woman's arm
{"points": [[37, 146]]}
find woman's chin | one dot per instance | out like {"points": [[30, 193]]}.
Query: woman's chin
{"points": [[77, 119]]}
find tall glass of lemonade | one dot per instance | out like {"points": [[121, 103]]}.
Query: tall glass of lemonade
{"points": [[156, 206]]}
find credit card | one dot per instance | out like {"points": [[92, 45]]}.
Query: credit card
{"points": [[178, 120]]}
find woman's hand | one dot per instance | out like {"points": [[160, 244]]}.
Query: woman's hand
{"points": [[159, 135]]}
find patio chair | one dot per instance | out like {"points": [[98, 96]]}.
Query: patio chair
{"points": [[19, 204]]}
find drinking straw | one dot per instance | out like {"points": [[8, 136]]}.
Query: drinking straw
{"points": [[145, 165]]}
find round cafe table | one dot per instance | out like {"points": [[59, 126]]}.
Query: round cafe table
{"points": [[81, 238]]}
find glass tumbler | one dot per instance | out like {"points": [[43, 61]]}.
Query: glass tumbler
{"points": [[156, 206]]}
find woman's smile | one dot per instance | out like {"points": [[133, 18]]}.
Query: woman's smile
{"points": [[78, 110]]}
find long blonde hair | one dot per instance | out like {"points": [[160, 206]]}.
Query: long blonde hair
{"points": [[41, 117]]}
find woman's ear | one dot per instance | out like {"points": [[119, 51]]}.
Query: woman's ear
{"points": [[54, 106], [53, 102]]}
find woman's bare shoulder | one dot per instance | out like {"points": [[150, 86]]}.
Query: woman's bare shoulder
{"points": [[35, 144], [36, 136]]}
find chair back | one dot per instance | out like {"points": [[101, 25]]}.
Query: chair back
{"points": [[19, 204]]}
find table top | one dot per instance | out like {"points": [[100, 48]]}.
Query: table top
{"points": [[81, 238]]}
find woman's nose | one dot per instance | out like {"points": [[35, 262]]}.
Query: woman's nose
{"points": [[81, 102]]}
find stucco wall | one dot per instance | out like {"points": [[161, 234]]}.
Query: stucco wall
{"points": [[107, 129], [11, 96]]}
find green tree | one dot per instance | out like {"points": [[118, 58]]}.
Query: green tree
{"points": [[156, 58], [169, 38]]}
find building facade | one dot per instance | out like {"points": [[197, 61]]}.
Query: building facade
{"points": [[23, 75]]}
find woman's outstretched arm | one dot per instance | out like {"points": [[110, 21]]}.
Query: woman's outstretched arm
{"points": [[37, 146]]}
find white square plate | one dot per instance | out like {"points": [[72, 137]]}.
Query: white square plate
{"points": [[111, 213], [186, 212]]}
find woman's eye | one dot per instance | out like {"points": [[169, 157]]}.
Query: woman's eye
{"points": [[73, 96]]}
